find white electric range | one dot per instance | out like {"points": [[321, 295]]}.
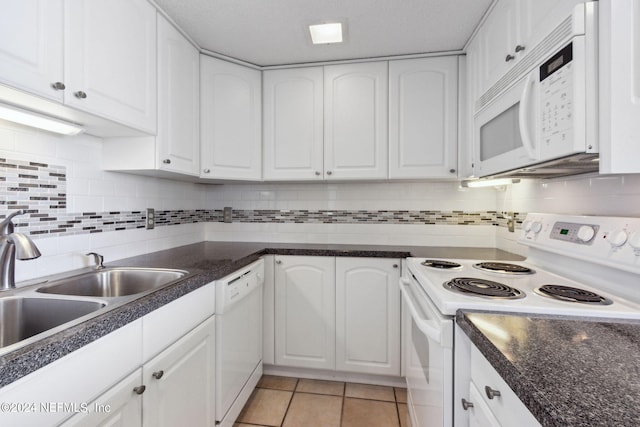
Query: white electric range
{"points": [[576, 266]]}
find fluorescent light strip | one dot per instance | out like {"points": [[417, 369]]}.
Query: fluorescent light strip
{"points": [[326, 33], [39, 121], [489, 182]]}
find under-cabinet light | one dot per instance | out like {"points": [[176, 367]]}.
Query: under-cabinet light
{"points": [[489, 182], [39, 121], [326, 33]]}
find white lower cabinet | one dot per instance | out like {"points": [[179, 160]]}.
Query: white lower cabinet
{"points": [[337, 313], [305, 311], [180, 382], [368, 315]]}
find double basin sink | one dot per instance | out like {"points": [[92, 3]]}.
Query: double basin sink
{"points": [[26, 314]]}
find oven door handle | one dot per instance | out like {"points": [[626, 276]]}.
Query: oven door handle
{"points": [[421, 321]]}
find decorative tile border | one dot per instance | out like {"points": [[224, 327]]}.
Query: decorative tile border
{"points": [[37, 188], [98, 222]]}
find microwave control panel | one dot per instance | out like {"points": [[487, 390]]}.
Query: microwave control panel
{"points": [[556, 98]]}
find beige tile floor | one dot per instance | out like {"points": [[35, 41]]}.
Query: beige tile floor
{"points": [[293, 402]]}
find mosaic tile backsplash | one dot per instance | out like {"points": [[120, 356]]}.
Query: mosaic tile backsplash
{"points": [[40, 190]]}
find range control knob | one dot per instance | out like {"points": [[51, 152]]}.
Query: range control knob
{"points": [[634, 240], [617, 238], [526, 226], [536, 226], [585, 233]]}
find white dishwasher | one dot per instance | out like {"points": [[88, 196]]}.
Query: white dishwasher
{"points": [[238, 340]]}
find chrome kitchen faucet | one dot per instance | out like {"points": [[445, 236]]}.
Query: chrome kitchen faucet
{"points": [[13, 245]]}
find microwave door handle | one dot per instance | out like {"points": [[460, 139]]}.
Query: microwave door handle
{"points": [[430, 331], [523, 117]]}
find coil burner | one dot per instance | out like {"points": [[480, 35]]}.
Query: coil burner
{"points": [[503, 267], [441, 264], [482, 288], [568, 293]]}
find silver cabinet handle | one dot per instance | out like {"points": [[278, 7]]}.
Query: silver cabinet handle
{"points": [[491, 393], [80, 94], [140, 389], [317, 173], [158, 374], [509, 57], [58, 86], [329, 172], [519, 48], [452, 170], [206, 170], [466, 404], [278, 262], [166, 161], [395, 265]]}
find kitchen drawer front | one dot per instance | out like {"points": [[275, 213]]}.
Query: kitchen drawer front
{"points": [[166, 325], [507, 408]]}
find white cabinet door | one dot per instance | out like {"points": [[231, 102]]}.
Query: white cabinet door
{"points": [[497, 41], [423, 118], [305, 311], [293, 124], [178, 140], [619, 86], [180, 382], [368, 315], [355, 121], [110, 60], [230, 121], [31, 46], [121, 406]]}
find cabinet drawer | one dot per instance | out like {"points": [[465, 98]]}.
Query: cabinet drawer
{"points": [[507, 408], [166, 325]]}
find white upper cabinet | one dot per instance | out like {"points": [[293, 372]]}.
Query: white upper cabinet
{"points": [[619, 26], [293, 124], [423, 113], [178, 140], [355, 121], [230, 120], [31, 46], [110, 60]]}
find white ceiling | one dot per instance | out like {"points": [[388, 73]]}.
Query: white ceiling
{"points": [[275, 32]]}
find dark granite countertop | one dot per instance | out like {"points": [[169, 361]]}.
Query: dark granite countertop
{"points": [[206, 261], [568, 371]]}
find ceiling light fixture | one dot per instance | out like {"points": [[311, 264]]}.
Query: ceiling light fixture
{"points": [[326, 33], [39, 121], [489, 182]]}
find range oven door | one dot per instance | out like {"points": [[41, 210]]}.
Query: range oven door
{"points": [[429, 358]]}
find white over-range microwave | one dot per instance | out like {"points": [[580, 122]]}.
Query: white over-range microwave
{"points": [[541, 118]]}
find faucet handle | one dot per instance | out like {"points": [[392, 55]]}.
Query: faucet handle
{"points": [[97, 259]]}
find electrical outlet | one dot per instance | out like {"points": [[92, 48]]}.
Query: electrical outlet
{"points": [[151, 218], [226, 214], [511, 222]]}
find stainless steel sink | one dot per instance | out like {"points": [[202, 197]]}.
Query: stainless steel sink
{"points": [[24, 317], [113, 282]]}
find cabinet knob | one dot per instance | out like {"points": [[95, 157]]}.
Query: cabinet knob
{"points": [[278, 262], [329, 172], [58, 86], [452, 170], [509, 57], [140, 389], [158, 374], [206, 170], [395, 265], [80, 94], [466, 404], [317, 173], [491, 393], [519, 48], [166, 161]]}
